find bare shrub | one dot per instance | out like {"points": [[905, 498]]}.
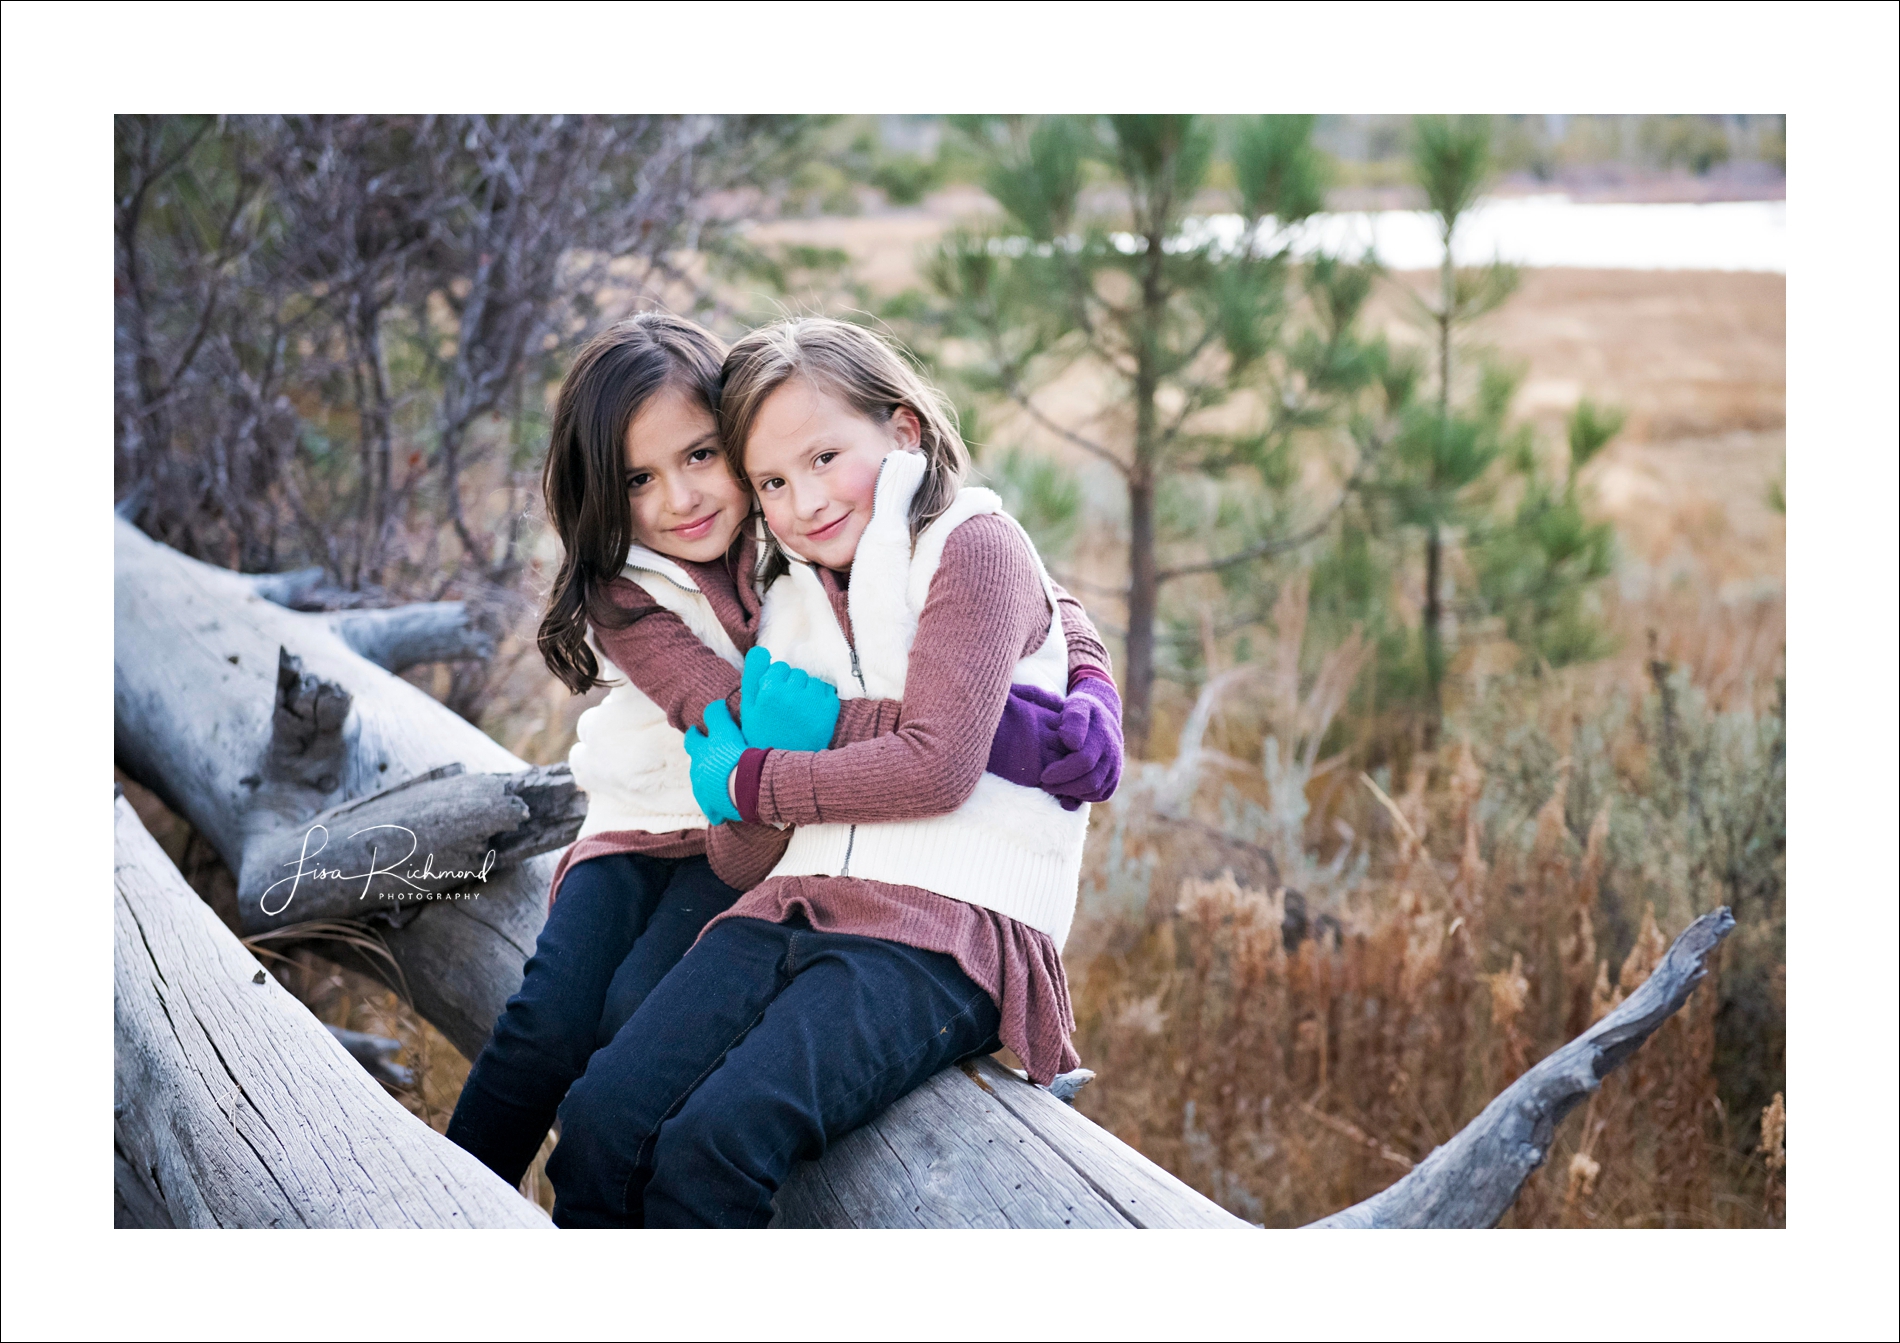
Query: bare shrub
{"points": [[1289, 1004]]}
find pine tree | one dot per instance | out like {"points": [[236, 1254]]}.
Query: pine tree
{"points": [[1442, 454], [1187, 315], [1459, 476]]}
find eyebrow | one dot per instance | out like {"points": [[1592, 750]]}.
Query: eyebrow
{"points": [[708, 439]]}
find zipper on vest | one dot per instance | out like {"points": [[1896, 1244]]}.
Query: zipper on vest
{"points": [[851, 836]]}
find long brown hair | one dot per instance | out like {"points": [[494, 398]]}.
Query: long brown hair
{"points": [[862, 369], [584, 481]]}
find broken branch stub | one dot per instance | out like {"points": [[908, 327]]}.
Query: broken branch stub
{"points": [[442, 832]]}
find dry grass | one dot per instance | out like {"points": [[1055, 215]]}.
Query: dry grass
{"points": [[1295, 981]]}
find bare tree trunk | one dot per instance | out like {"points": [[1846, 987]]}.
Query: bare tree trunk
{"points": [[1143, 597], [1434, 632], [1434, 540], [1144, 579]]}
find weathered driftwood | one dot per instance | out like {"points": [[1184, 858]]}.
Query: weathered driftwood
{"points": [[977, 1146], [203, 718], [252, 721], [234, 1107], [1473, 1179], [395, 637], [444, 831], [398, 637]]}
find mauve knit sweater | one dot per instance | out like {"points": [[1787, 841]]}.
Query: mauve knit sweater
{"points": [[889, 761]]}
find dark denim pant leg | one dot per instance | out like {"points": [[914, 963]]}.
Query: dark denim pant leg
{"points": [[691, 900], [862, 1023], [679, 1034], [544, 1036]]}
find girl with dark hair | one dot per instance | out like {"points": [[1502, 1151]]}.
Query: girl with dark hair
{"points": [[656, 598]]}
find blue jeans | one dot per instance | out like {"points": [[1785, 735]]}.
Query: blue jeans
{"points": [[619, 924], [764, 1044]]}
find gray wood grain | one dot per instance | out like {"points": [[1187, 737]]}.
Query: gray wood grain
{"points": [[393, 637], [381, 854], [234, 1107], [947, 1155], [399, 637], [1474, 1178], [1145, 1194], [196, 698]]}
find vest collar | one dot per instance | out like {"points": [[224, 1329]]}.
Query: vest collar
{"points": [[639, 557]]}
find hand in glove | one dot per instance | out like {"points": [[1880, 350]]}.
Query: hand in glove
{"points": [[784, 709], [1091, 735], [715, 752]]}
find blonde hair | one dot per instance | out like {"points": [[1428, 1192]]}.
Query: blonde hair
{"points": [[863, 370]]}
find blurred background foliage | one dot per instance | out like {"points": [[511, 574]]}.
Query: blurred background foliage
{"points": [[1446, 605]]}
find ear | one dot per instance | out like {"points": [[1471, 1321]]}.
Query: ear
{"points": [[906, 431]]}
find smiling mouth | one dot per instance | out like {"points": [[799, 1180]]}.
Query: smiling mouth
{"points": [[692, 531], [829, 530]]}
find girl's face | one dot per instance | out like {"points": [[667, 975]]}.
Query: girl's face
{"points": [[685, 502], [813, 461]]}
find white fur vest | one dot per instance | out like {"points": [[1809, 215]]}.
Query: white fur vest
{"points": [[1007, 848], [629, 760]]}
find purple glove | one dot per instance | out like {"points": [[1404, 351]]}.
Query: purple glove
{"points": [[1029, 738], [1071, 748], [1091, 735]]}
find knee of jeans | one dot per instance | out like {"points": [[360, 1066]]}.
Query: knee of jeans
{"points": [[752, 1138], [590, 1135], [695, 1136]]}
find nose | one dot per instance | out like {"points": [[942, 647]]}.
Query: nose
{"points": [[681, 497], [808, 501]]}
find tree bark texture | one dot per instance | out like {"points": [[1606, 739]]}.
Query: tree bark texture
{"points": [[249, 747], [233, 1106]]}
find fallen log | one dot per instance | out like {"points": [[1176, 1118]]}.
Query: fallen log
{"points": [[233, 1106], [979, 1146], [203, 717], [369, 856], [255, 722], [395, 638]]}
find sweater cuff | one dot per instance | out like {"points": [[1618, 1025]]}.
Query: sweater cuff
{"points": [[745, 782], [1081, 674]]}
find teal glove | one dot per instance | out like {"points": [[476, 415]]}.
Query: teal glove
{"points": [[715, 754], [784, 709]]}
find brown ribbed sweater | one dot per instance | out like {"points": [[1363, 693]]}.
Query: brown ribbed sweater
{"points": [[984, 611]]}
